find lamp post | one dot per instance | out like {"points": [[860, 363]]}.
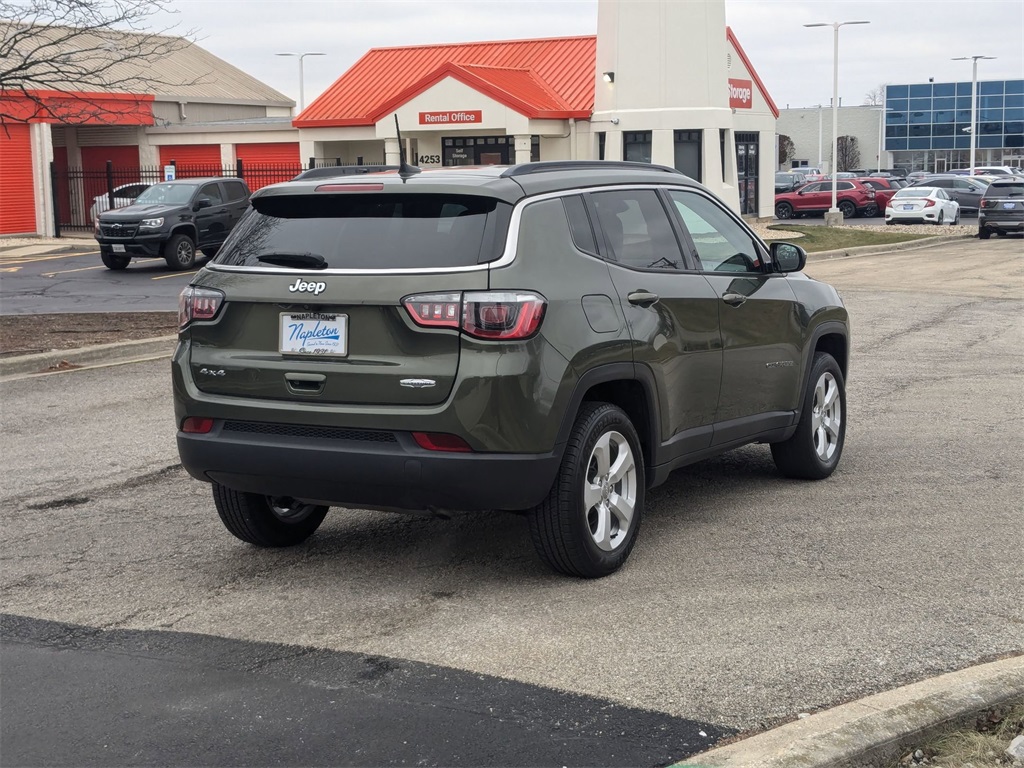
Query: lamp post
{"points": [[835, 100], [974, 102], [301, 56]]}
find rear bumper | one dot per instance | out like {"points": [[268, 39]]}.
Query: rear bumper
{"points": [[1010, 225], [355, 471]]}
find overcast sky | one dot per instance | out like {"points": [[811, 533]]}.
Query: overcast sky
{"points": [[907, 41]]}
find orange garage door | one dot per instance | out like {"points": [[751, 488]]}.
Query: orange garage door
{"points": [[264, 164], [17, 191], [193, 159]]}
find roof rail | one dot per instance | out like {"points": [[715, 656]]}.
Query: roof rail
{"points": [[526, 169]]}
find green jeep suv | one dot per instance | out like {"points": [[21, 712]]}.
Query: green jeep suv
{"points": [[547, 338]]}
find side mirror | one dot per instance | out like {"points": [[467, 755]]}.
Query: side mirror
{"points": [[202, 202], [788, 257]]}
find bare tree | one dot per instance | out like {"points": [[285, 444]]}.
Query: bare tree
{"points": [[787, 150], [57, 58], [875, 97], [849, 153]]}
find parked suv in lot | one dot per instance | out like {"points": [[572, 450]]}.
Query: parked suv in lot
{"points": [[1002, 209], [172, 219], [852, 198], [547, 338]]}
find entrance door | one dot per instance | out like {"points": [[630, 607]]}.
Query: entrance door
{"points": [[747, 170]]}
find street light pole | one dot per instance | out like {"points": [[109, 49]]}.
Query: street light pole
{"points": [[974, 102], [835, 99], [302, 83]]}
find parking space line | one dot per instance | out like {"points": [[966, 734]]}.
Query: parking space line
{"points": [[176, 274], [52, 257], [84, 269]]}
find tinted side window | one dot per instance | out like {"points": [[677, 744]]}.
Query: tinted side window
{"points": [[813, 187], [845, 186], [579, 224], [637, 230], [721, 243], [211, 191], [235, 190]]}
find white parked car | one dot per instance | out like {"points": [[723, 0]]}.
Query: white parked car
{"points": [[124, 195], [922, 205]]}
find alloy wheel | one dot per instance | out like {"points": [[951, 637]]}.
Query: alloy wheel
{"points": [[610, 491], [826, 416]]}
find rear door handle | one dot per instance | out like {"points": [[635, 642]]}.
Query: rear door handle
{"points": [[642, 298], [733, 299]]}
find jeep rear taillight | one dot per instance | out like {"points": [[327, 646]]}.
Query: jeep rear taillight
{"points": [[198, 304], [498, 315]]}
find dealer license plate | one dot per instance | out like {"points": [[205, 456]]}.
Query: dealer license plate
{"points": [[908, 207], [314, 333], [1009, 206], [117, 248]]}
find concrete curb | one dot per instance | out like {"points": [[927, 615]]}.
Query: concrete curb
{"points": [[871, 250], [99, 354], [53, 250], [875, 731]]}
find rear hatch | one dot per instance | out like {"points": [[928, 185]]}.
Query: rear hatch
{"points": [[313, 286], [1004, 200]]}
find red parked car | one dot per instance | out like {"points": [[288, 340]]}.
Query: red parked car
{"points": [[852, 198], [884, 190]]}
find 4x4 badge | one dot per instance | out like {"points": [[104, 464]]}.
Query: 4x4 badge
{"points": [[302, 286]]}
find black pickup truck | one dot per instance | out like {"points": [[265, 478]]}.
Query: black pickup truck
{"points": [[173, 220]]}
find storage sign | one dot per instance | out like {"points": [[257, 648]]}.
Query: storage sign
{"points": [[452, 118], [740, 94]]}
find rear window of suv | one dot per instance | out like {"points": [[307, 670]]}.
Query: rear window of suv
{"points": [[1005, 189], [372, 231]]}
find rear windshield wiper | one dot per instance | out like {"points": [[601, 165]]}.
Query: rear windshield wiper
{"points": [[307, 260]]}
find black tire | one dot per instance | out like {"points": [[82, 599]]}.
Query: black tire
{"points": [[783, 211], [115, 260], [890, 222], [253, 519], [956, 220], [984, 233], [180, 252], [871, 211], [813, 452], [938, 221], [848, 209], [564, 530], [1000, 233], [210, 252]]}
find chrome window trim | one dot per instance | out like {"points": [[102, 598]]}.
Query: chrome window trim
{"points": [[508, 255]]}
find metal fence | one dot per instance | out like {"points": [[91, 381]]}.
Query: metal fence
{"points": [[80, 194]]}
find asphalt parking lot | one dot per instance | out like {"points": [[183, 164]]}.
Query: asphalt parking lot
{"points": [[748, 599], [78, 282]]}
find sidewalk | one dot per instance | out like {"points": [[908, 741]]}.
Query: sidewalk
{"points": [[73, 242]]}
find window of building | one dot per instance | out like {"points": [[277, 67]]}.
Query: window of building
{"points": [[600, 145], [688, 153], [636, 146], [637, 230]]}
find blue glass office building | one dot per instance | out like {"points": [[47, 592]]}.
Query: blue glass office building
{"points": [[927, 125]]}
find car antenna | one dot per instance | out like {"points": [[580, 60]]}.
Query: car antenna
{"points": [[405, 170]]}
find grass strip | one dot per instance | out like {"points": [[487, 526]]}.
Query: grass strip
{"points": [[816, 239]]}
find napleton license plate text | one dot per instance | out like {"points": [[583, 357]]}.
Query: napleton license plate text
{"points": [[314, 333]]}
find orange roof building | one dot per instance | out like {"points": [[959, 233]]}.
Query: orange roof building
{"points": [[620, 94]]}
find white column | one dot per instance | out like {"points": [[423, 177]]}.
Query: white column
{"points": [[613, 145], [41, 142], [663, 148], [523, 144], [392, 153], [227, 155]]}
